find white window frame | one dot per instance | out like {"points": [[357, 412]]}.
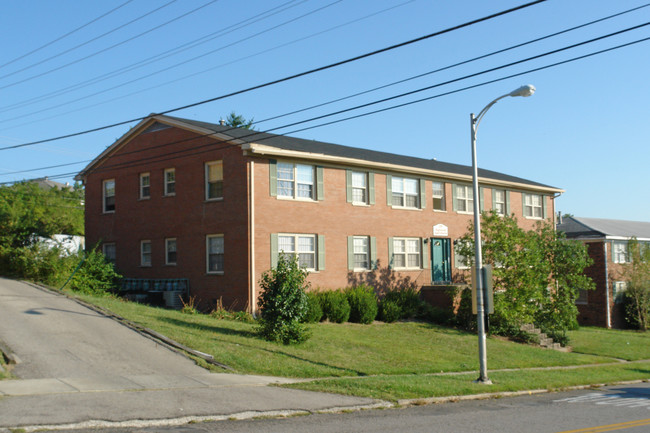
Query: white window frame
{"points": [[358, 251], [618, 291], [399, 193], [293, 184], [459, 259], [497, 202], [105, 195], [620, 251], [145, 256], [168, 183], [530, 206], [296, 248], [465, 196], [216, 253], [168, 250], [218, 181], [109, 250], [357, 189], [414, 256], [145, 186], [441, 196]]}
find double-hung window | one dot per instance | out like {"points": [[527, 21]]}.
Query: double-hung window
{"points": [[359, 187], [301, 246], [214, 254], [145, 185], [499, 201], [296, 180], [439, 196], [533, 206], [214, 180], [619, 288], [461, 261], [406, 253], [170, 251], [109, 195], [170, 181], [406, 192], [110, 252], [361, 248], [463, 198], [145, 253], [619, 252]]}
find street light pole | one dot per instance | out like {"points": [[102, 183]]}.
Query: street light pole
{"points": [[526, 90]]}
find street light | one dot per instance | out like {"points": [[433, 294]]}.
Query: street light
{"points": [[526, 90]]}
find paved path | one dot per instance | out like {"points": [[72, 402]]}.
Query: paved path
{"points": [[77, 365]]}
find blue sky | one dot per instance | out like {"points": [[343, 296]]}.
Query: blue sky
{"points": [[584, 130]]}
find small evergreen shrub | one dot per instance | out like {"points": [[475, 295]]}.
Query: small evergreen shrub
{"points": [[408, 300], [363, 304], [437, 315], [314, 310], [95, 275], [335, 306], [389, 311], [283, 303]]}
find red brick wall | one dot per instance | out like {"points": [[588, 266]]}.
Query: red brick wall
{"points": [[186, 216]]}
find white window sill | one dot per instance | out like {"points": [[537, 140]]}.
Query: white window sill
{"points": [[406, 208], [464, 212], [210, 200], [408, 269], [361, 270], [533, 218], [300, 199], [440, 210], [360, 204], [173, 194], [108, 212], [215, 273]]}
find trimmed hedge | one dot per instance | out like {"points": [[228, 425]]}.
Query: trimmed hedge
{"points": [[335, 306], [363, 304]]}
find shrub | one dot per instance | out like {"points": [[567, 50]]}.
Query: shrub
{"points": [[389, 311], [283, 303], [408, 300], [437, 315], [314, 310], [335, 306], [363, 304], [95, 275], [189, 307]]}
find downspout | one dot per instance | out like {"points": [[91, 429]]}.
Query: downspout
{"points": [[608, 309], [251, 219]]}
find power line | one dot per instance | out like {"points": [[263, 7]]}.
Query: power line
{"points": [[88, 41], [254, 133], [108, 48], [65, 35], [291, 77], [155, 58]]}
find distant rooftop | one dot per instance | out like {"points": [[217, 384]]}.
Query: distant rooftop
{"points": [[582, 228], [45, 184]]}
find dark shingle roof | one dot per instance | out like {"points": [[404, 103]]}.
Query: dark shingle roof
{"points": [[336, 150], [578, 227]]}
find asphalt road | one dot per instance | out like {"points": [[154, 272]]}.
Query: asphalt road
{"points": [[623, 408]]}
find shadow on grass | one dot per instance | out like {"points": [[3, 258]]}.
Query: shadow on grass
{"points": [[250, 334]]}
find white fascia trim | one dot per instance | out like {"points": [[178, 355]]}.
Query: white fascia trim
{"points": [[260, 149], [625, 238], [193, 128]]}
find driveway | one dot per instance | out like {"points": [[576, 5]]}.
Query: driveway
{"points": [[77, 365]]}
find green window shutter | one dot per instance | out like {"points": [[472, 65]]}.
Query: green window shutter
{"points": [[544, 206], [494, 204], [320, 193], [389, 190], [423, 200], [348, 185], [390, 253], [321, 252], [371, 188], [274, 250], [523, 204], [373, 253], [454, 206], [425, 254], [507, 202], [481, 201], [350, 253], [273, 177]]}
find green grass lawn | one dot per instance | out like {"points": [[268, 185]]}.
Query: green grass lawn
{"points": [[398, 360]]}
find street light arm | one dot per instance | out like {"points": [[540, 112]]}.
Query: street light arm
{"points": [[524, 91]]}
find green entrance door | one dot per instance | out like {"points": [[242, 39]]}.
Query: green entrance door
{"points": [[440, 260]]}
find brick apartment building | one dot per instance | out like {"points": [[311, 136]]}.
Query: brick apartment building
{"points": [[607, 244], [177, 198]]}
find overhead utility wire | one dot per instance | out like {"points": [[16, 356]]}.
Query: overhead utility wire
{"points": [[192, 74], [65, 35], [157, 57], [158, 146], [281, 80], [110, 47], [88, 41], [444, 68], [249, 137], [172, 66]]}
